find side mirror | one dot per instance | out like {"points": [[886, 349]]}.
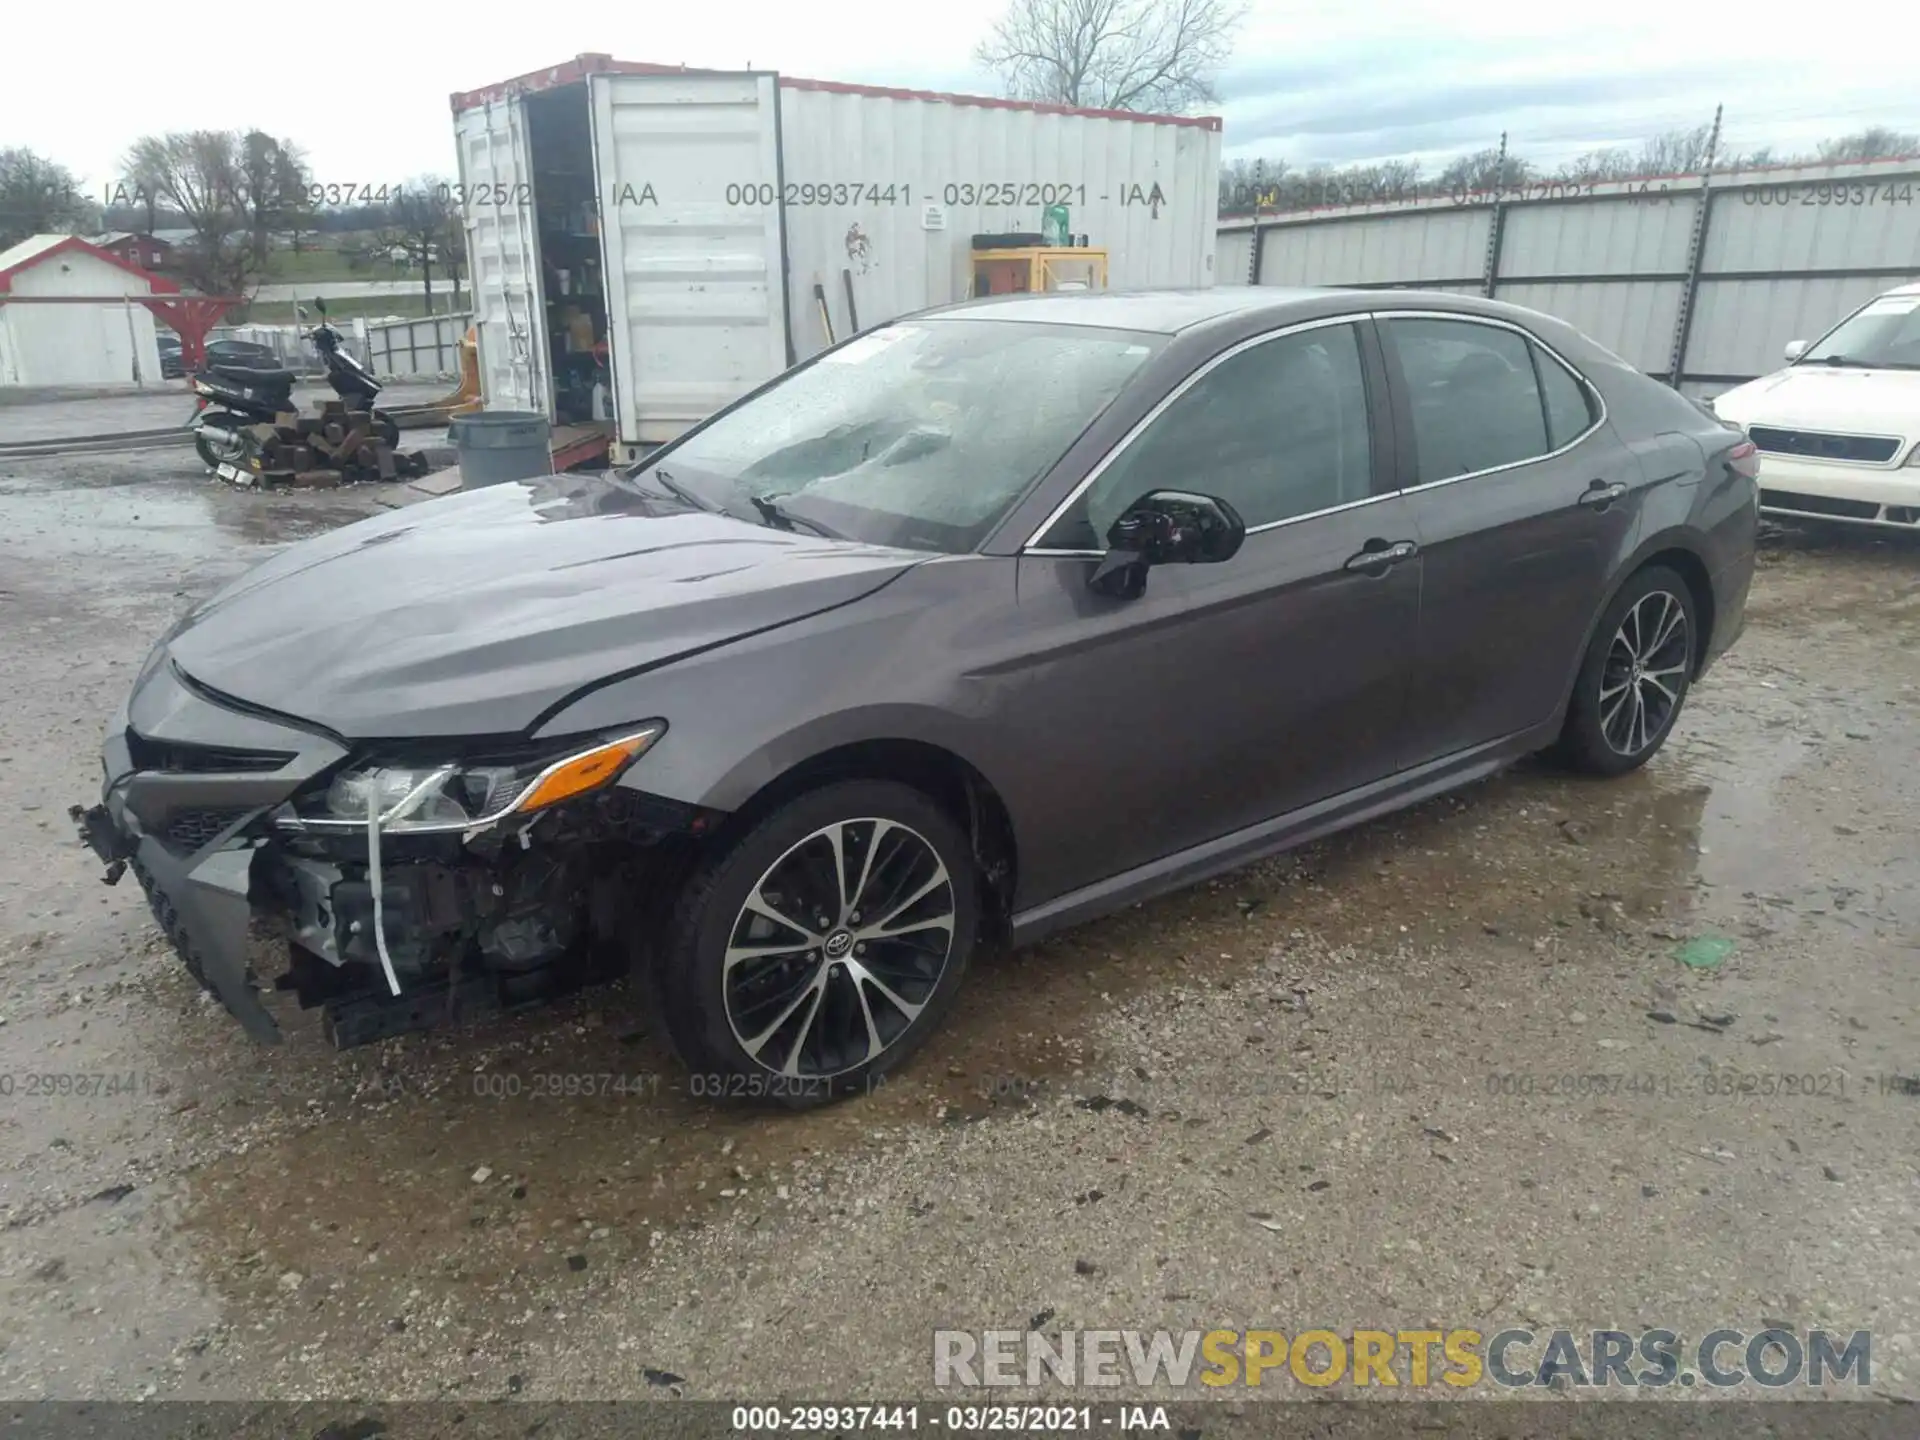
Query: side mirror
{"points": [[319, 305], [1166, 527], [1795, 349]]}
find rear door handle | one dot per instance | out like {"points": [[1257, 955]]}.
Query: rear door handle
{"points": [[1599, 495], [1379, 556]]}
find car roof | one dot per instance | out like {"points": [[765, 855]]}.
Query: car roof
{"points": [[1172, 311]]}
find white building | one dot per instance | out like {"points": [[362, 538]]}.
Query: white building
{"points": [[68, 316]]}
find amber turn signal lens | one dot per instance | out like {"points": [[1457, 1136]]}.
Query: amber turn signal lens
{"points": [[586, 771]]}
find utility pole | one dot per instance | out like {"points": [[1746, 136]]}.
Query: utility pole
{"points": [[1696, 250], [1496, 223]]}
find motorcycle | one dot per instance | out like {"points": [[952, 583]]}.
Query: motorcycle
{"points": [[228, 399]]}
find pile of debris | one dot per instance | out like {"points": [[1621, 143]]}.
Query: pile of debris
{"points": [[338, 446]]}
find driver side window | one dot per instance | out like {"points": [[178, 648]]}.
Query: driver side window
{"points": [[1277, 431]]}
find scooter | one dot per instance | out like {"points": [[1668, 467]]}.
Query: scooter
{"points": [[230, 398]]}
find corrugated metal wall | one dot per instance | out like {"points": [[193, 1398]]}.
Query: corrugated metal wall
{"points": [[1106, 170], [1721, 278]]}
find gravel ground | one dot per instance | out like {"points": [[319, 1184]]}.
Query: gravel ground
{"points": [[1319, 1092]]}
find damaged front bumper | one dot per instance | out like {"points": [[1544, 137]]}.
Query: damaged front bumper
{"points": [[195, 800], [185, 777]]}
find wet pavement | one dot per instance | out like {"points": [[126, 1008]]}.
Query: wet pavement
{"points": [[1340, 1088], [44, 415]]}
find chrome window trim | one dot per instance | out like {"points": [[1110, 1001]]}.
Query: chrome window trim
{"points": [[1033, 547], [1120, 447], [1526, 334]]}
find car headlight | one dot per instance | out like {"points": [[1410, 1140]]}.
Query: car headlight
{"points": [[425, 798], [1913, 456]]}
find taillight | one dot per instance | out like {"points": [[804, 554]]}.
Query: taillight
{"points": [[1745, 459]]}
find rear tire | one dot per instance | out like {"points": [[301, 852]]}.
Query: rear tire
{"points": [[218, 445], [777, 986], [1635, 677]]}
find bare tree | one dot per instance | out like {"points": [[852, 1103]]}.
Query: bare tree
{"points": [[1160, 55], [272, 189], [1875, 143], [1675, 152], [37, 197], [453, 246], [422, 225], [1612, 162], [199, 173], [1247, 184], [1483, 170]]}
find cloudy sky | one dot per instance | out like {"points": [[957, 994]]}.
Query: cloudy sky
{"points": [[1331, 80]]}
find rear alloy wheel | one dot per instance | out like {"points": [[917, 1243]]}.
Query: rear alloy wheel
{"points": [[820, 950], [1635, 677]]}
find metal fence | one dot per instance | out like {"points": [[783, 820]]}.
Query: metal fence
{"points": [[1697, 280], [427, 346], [289, 344]]}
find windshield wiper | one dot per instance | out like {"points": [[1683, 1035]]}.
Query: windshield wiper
{"points": [[1847, 362], [677, 490], [780, 519]]}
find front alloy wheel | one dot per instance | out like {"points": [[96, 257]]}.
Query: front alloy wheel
{"points": [[838, 947], [1635, 675], [823, 946]]}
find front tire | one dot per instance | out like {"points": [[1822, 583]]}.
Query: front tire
{"points": [[819, 950], [1635, 676]]}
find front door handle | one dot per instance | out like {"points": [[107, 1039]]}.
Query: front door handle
{"points": [[1599, 495], [1378, 556]]}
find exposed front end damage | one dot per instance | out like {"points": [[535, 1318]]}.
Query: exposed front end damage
{"points": [[413, 910]]}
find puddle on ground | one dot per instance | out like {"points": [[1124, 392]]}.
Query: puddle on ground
{"points": [[157, 523]]}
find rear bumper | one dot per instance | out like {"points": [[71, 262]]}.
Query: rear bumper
{"points": [[1828, 490]]}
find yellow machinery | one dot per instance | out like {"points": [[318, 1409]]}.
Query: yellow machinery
{"points": [[465, 400], [1038, 267]]}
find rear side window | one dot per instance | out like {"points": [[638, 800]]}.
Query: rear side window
{"points": [[1474, 394], [1570, 409]]}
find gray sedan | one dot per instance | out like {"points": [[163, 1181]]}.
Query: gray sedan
{"points": [[983, 623]]}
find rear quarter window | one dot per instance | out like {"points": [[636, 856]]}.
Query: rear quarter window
{"points": [[1570, 404]]}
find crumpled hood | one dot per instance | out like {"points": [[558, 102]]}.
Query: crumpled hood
{"points": [[476, 613], [1834, 398]]}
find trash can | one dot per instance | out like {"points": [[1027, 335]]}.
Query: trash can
{"points": [[498, 445]]}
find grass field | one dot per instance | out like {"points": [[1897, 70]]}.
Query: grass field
{"points": [[352, 307], [324, 260]]}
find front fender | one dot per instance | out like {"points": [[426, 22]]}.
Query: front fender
{"points": [[824, 734]]}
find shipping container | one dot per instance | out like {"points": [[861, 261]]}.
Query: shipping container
{"points": [[646, 243]]}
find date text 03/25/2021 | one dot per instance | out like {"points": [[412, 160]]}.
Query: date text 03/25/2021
{"points": [[955, 1419]]}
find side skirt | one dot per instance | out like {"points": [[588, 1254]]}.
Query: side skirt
{"points": [[1283, 832]]}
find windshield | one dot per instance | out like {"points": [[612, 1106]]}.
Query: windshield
{"points": [[1884, 334], [919, 434]]}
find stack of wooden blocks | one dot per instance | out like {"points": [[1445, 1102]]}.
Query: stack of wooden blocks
{"points": [[336, 447]]}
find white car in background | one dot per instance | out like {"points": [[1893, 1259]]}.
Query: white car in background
{"points": [[1838, 430]]}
